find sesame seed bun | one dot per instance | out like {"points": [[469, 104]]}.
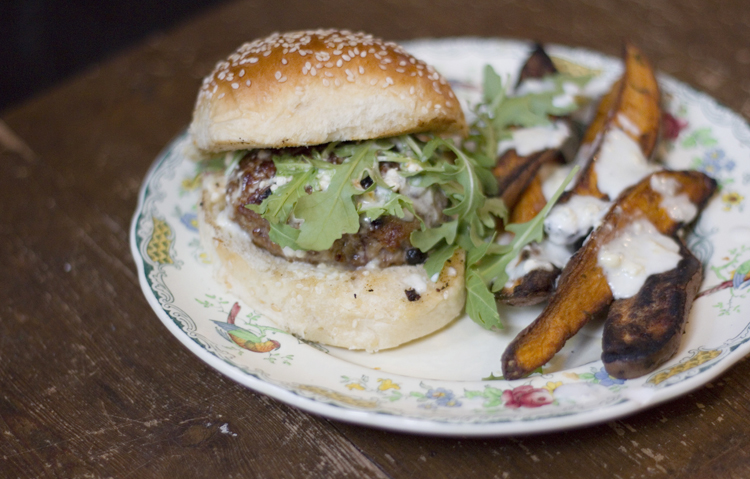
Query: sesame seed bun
{"points": [[355, 309], [313, 87]]}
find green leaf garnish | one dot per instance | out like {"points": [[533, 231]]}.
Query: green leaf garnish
{"points": [[492, 269], [437, 259], [330, 213]]}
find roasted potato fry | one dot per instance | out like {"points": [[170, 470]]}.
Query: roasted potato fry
{"points": [[538, 65], [583, 291], [632, 104], [644, 331], [514, 173]]}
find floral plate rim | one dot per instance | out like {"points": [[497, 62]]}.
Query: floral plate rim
{"points": [[320, 402]]}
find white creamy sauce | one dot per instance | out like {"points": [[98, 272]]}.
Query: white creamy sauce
{"points": [[535, 85], [620, 163], [628, 125], [393, 179], [277, 181], [290, 253], [678, 207], [412, 167], [373, 199], [637, 253], [536, 138], [324, 178], [544, 256], [570, 221], [568, 97], [552, 176], [416, 282]]}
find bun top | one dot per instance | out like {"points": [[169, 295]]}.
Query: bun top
{"points": [[312, 87]]}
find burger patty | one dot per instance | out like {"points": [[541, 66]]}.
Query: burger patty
{"points": [[385, 239]]}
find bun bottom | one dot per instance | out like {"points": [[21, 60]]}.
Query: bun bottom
{"points": [[365, 308]]}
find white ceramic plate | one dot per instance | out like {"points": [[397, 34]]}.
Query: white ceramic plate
{"points": [[435, 385]]}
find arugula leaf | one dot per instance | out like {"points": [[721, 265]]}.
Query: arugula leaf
{"points": [[492, 85], [284, 235], [427, 239], [276, 207], [480, 302], [330, 213], [437, 259], [464, 171]]}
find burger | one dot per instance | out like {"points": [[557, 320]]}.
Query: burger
{"points": [[327, 186]]}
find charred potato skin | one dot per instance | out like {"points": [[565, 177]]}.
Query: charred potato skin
{"points": [[644, 331], [535, 287], [538, 65]]}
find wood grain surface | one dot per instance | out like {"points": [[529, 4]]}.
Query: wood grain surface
{"points": [[92, 384]]}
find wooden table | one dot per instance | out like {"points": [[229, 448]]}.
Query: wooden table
{"points": [[92, 384]]}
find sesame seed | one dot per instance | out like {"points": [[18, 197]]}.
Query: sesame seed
{"points": [[339, 62], [400, 70], [277, 75], [411, 90], [222, 75], [373, 82], [282, 79], [329, 74], [361, 70], [329, 65], [336, 82], [326, 82], [346, 57], [382, 67], [248, 83], [283, 61], [389, 80], [448, 103], [242, 73], [252, 60], [313, 71], [235, 85]]}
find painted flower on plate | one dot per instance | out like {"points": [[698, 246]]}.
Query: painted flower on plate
{"points": [[190, 220], [732, 199], [527, 396], [672, 126], [605, 379], [442, 397]]}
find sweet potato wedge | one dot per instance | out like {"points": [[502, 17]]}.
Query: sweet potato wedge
{"points": [[535, 287], [632, 104], [538, 65], [583, 291], [644, 331], [514, 173]]}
